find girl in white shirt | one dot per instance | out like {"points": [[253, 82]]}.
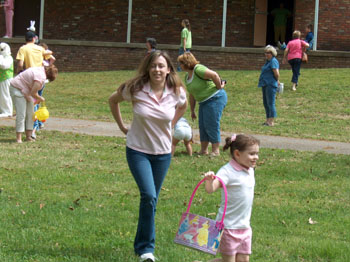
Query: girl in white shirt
{"points": [[238, 176]]}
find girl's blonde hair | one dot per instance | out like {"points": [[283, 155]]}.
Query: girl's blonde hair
{"points": [[239, 142], [172, 80]]}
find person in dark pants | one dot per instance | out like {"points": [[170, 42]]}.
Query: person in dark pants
{"points": [[294, 53]]}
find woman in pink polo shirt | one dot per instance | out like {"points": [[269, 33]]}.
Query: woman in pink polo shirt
{"points": [[24, 92], [294, 53], [158, 100]]}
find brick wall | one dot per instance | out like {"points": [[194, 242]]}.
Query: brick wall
{"points": [[106, 20], [74, 56], [334, 22]]}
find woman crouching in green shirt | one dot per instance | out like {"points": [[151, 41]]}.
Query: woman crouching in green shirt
{"points": [[206, 88]]}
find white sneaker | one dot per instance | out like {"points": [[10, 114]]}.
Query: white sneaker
{"points": [[147, 257]]}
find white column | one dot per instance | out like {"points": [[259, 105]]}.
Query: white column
{"points": [[316, 24], [224, 12], [41, 23], [129, 22]]}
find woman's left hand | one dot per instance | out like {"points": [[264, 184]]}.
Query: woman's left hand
{"points": [[222, 85]]}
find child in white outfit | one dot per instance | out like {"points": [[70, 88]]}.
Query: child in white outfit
{"points": [[182, 131], [238, 176]]}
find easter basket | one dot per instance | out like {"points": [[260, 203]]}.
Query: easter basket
{"points": [[199, 232], [42, 114]]}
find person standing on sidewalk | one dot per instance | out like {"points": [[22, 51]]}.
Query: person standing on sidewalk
{"points": [[31, 55], [158, 101], [24, 92]]}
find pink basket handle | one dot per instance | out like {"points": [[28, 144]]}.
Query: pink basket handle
{"points": [[195, 190]]}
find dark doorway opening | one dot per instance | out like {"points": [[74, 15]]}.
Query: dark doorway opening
{"points": [[270, 33], [24, 12]]}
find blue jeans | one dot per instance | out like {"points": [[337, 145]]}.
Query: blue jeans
{"points": [[269, 98], [295, 64], [38, 124], [149, 172], [181, 52], [209, 115]]}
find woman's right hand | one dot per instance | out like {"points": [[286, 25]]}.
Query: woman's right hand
{"points": [[38, 100], [124, 130], [42, 99]]}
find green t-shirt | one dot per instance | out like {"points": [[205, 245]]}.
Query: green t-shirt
{"points": [[6, 73], [200, 88], [280, 15], [188, 35]]}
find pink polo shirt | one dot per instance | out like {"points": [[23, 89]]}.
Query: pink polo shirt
{"points": [[150, 131], [25, 80], [295, 48]]}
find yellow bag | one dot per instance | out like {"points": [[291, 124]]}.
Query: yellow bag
{"points": [[42, 113]]}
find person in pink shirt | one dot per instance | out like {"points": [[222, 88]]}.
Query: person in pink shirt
{"points": [[293, 53], [8, 9], [24, 92], [158, 100]]}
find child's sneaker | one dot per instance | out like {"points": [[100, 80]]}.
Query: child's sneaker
{"points": [[147, 257]]}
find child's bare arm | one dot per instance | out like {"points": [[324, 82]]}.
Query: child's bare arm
{"points": [[211, 183]]}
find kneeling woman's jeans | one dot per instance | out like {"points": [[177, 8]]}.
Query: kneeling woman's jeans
{"points": [[295, 64], [269, 98], [149, 172], [209, 116]]}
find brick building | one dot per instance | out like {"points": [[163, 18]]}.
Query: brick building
{"points": [[91, 35]]}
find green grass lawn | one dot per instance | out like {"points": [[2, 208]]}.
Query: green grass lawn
{"points": [[319, 109], [70, 197]]}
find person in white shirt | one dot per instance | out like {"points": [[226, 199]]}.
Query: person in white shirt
{"points": [[238, 176]]}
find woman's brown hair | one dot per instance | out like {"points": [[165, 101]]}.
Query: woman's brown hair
{"points": [[188, 60], [51, 72], [172, 80]]}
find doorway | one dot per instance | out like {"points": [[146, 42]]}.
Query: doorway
{"points": [[270, 34], [24, 12]]}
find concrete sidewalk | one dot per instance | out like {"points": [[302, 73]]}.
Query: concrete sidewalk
{"points": [[99, 128]]}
